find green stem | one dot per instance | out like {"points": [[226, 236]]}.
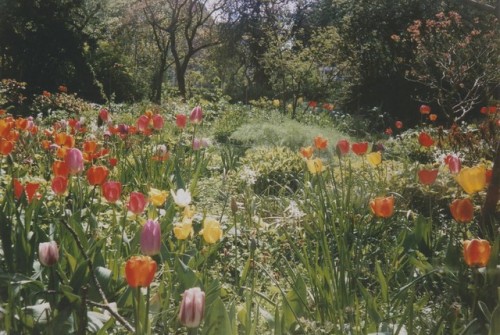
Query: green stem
{"points": [[192, 331], [146, 315], [137, 311]]}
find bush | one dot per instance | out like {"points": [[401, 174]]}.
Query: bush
{"points": [[271, 169]]}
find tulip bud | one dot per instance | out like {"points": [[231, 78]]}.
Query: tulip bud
{"points": [[74, 161], [180, 120], [158, 121], [137, 202], [151, 238], [59, 184], [342, 147], [196, 115], [192, 307], [112, 190], [48, 253]]}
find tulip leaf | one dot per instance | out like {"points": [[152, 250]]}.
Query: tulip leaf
{"points": [[495, 321], [382, 282], [216, 320], [294, 304], [371, 305], [187, 277]]}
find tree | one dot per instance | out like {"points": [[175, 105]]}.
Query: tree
{"points": [[454, 59], [191, 27], [44, 44], [295, 68]]}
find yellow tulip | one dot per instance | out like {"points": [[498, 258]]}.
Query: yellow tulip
{"points": [[276, 103], [315, 166], [472, 179], [157, 197], [184, 230], [189, 212], [374, 158], [211, 231]]}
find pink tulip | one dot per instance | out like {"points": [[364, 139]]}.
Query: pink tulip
{"points": [[48, 253], [142, 123], [196, 115], [104, 115], [192, 307], [74, 161], [151, 238], [453, 162]]}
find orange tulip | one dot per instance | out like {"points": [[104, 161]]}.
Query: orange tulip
{"points": [[307, 152], [476, 252], [6, 147], [320, 142], [427, 177], [97, 174], [433, 117], [59, 168], [140, 271], [60, 138], [462, 210], [382, 206], [89, 146]]}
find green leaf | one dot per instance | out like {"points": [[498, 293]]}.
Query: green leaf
{"points": [[217, 320], [495, 321], [294, 304], [371, 305], [277, 323], [185, 275], [382, 282]]}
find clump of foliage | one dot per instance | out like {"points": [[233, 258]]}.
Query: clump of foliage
{"points": [[271, 169]]}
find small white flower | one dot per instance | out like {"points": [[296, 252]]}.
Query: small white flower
{"points": [[294, 211], [248, 175], [182, 198]]}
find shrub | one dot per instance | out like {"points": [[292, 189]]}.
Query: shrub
{"points": [[271, 169]]}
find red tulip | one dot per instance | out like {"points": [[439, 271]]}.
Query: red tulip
{"points": [[484, 110], [140, 271], [388, 131], [359, 148], [181, 120], [30, 190], [398, 124], [111, 190], [158, 121], [113, 161], [142, 123], [104, 115], [137, 203], [97, 174], [425, 140], [424, 109], [342, 147], [312, 104], [453, 162], [476, 252], [427, 177], [462, 210], [59, 184], [18, 188]]}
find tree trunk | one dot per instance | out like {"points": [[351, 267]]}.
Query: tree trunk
{"points": [[489, 215], [158, 80]]}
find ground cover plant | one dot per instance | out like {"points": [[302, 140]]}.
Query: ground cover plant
{"points": [[159, 220]]}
